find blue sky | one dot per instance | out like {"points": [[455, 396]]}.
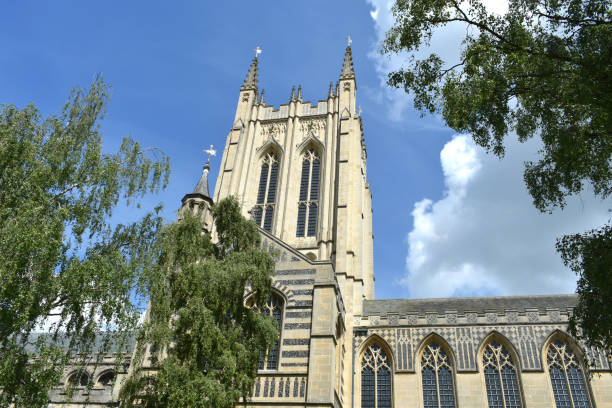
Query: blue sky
{"points": [[176, 69]]}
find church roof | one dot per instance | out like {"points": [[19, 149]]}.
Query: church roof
{"points": [[469, 304], [201, 189]]}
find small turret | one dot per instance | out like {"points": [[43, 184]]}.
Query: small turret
{"points": [[199, 201]]}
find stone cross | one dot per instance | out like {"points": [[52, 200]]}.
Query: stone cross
{"points": [[257, 51]]}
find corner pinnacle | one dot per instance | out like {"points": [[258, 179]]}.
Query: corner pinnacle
{"points": [[250, 82], [347, 66]]}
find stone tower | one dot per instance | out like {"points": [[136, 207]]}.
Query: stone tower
{"points": [[300, 173]]}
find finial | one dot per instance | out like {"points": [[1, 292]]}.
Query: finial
{"points": [[262, 100], [360, 111], [250, 82], [349, 40], [257, 51], [299, 95], [347, 66], [336, 90], [292, 94], [331, 90]]}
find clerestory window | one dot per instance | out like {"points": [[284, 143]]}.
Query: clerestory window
{"points": [[375, 378], [308, 203], [566, 377], [263, 212], [437, 377], [500, 374]]}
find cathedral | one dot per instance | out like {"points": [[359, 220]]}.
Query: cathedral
{"points": [[300, 172]]}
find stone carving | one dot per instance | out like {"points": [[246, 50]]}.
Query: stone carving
{"points": [[412, 319], [512, 316], [451, 318], [347, 86], [532, 316], [471, 317], [432, 318], [491, 317], [554, 315], [245, 98], [357, 321], [375, 320], [273, 130], [393, 319], [312, 127]]}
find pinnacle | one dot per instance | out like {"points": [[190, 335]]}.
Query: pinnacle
{"points": [[250, 82], [347, 66]]}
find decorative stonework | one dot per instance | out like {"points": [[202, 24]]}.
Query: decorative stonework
{"points": [[375, 320], [393, 319], [432, 318], [471, 317], [554, 315], [273, 130], [312, 128], [491, 317], [412, 319], [451, 318], [533, 316], [512, 316]]}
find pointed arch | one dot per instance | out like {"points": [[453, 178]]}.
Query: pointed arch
{"points": [[500, 368], [310, 142], [309, 192], [275, 307], [437, 372], [270, 145], [564, 361], [262, 212], [375, 374]]}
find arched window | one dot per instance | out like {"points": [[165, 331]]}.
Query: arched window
{"points": [[78, 379], [566, 377], [500, 377], [263, 212], [308, 203], [268, 359], [375, 378], [437, 377], [107, 379]]}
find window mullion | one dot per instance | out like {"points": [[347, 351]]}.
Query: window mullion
{"points": [[501, 384], [569, 388], [375, 387], [306, 223], [437, 382]]}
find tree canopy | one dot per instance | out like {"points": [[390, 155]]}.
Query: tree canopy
{"points": [[202, 339], [63, 263], [543, 69]]}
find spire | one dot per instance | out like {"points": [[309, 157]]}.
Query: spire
{"points": [[262, 100], [331, 90], [292, 98], [299, 95], [250, 82], [347, 66], [202, 187]]}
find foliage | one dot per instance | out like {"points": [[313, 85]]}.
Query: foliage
{"points": [[590, 256], [542, 69], [62, 263], [205, 342]]}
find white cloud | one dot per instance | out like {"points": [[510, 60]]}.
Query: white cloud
{"points": [[485, 236]]}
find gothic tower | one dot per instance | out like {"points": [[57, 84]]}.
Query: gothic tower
{"points": [[300, 173]]}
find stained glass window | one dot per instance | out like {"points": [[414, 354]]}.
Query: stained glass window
{"points": [[268, 359], [266, 192], [501, 379], [375, 378], [437, 377], [566, 377], [309, 195]]}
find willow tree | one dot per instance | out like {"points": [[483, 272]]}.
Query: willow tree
{"points": [[543, 69], [200, 344], [64, 267]]}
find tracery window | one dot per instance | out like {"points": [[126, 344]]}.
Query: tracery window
{"points": [[80, 378], [308, 202], [263, 212], [500, 377], [107, 379], [437, 377], [268, 359], [375, 378], [566, 377]]}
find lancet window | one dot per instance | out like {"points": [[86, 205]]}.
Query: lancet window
{"points": [[566, 377], [375, 378], [268, 359], [437, 377], [263, 212], [501, 379], [308, 203]]}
